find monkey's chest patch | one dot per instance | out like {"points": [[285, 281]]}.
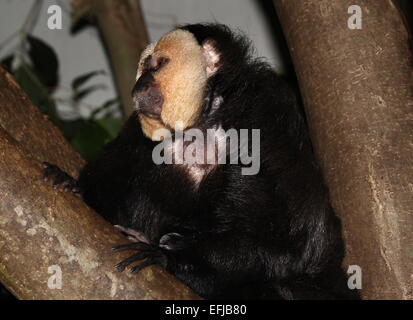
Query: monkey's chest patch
{"points": [[198, 152]]}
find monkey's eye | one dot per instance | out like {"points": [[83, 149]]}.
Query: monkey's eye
{"points": [[154, 64], [158, 64]]}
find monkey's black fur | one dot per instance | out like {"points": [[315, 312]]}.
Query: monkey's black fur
{"points": [[270, 235]]}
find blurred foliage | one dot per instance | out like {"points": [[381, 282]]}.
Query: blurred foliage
{"points": [[35, 66]]}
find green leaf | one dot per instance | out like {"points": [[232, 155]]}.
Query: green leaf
{"points": [[80, 80], [30, 84], [37, 93], [71, 128], [111, 124], [45, 62], [90, 140]]}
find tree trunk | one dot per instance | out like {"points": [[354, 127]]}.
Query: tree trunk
{"points": [[358, 95], [123, 29], [41, 227]]}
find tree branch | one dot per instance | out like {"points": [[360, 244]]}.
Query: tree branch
{"points": [[357, 91], [123, 29], [42, 227]]}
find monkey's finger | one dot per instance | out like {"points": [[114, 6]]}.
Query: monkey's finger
{"points": [[131, 246], [136, 257], [139, 267]]}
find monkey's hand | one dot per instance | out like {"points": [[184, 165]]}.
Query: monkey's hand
{"points": [[148, 253], [59, 178]]}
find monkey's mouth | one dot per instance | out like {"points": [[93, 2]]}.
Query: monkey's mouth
{"points": [[149, 105], [151, 115]]}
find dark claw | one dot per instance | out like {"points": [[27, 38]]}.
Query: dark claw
{"points": [[136, 257], [143, 265], [152, 254], [152, 257]]}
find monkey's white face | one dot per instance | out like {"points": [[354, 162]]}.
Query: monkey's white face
{"points": [[171, 81]]}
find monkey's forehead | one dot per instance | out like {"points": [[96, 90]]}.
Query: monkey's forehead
{"points": [[173, 44], [179, 45], [177, 42]]}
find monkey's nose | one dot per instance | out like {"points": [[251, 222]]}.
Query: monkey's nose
{"points": [[147, 96], [144, 83]]}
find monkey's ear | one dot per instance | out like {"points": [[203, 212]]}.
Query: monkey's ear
{"points": [[212, 56]]}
